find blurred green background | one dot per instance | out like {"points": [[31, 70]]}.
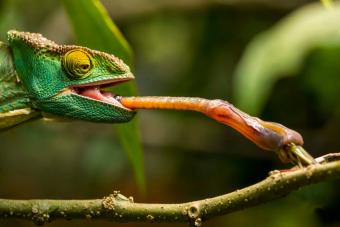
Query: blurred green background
{"points": [[287, 66]]}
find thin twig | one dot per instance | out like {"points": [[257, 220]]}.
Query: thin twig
{"points": [[118, 208]]}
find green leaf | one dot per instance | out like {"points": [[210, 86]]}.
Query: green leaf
{"points": [[327, 3], [281, 51], [320, 76], [95, 29]]}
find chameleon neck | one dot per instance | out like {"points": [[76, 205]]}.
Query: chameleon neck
{"points": [[15, 104]]}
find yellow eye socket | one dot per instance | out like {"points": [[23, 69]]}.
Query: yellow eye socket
{"points": [[77, 63]]}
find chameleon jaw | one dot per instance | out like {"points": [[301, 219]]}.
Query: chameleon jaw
{"points": [[93, 91]]}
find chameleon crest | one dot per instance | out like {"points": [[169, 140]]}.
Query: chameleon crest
{"points": [[65, 80]]}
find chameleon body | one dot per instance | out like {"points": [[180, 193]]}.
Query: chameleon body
{"points": [[39, 78]]}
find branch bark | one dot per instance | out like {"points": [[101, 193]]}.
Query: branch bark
{"points": [[119, 208]]}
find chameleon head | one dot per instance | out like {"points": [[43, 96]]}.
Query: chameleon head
{"points": [[67, 80]]}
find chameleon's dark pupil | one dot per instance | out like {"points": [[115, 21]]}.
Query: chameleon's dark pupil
{"points": [[85, 66]]}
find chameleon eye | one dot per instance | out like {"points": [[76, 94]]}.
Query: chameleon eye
{"points": [[77, 63]]}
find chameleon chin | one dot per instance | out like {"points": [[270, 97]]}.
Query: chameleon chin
{"points": [[40, 78]]}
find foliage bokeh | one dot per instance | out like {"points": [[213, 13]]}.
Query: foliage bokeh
{"points": [[180, 49]]}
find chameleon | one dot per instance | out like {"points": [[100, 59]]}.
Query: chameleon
{"points": [[42, 79]]}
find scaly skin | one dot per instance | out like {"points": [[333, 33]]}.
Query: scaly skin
{"points": [[52, 73], [15, 105], [41, 78]]}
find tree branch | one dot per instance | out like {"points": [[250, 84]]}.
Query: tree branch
{"points": [[118, 208]]}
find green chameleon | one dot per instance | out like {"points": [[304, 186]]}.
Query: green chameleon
{"points": [[41, 79]]}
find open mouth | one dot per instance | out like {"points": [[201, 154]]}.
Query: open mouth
{"points": [[94, 91]]}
